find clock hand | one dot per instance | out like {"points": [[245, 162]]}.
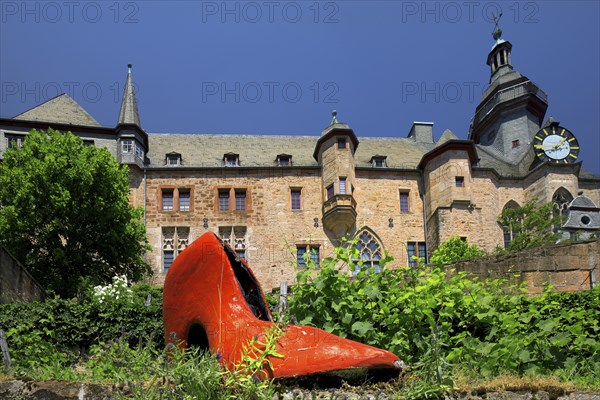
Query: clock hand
{"points": [[556, 146]]}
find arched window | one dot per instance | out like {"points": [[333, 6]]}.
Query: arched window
{"points": [[562, 198], [508, 230], [370, 251]]}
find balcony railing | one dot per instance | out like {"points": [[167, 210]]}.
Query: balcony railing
{"points": [[509, 93]]}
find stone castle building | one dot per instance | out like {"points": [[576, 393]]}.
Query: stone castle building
{"points": [[275, 198]]}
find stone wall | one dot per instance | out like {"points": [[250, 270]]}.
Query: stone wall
{"points": [[16, 285], [568, 267]]}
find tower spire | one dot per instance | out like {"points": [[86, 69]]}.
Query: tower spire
{"points": [[129, 110], [500, 54]]}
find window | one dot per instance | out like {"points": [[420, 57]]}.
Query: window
{"points": [[223, 199], [14, 140], [127, 146], [168, 258], [417, 249], [562, 198], [312, 250], [378, 161], [235, 237], [173, 159], [240, 199], [139, 151], [342, 185], [341, 143], [184, 200], [459, 181], [88, 142], [173, 199], [330, 192], [296, 199], [284, 160], [175, 240], [509, 231], [369, 252], [404, 201], [167, 199], [231, 160], [515, 143]]}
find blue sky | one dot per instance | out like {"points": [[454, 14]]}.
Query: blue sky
{"points": [[280, 67]]}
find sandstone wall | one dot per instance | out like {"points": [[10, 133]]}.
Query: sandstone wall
{"points": [[568, 267]]}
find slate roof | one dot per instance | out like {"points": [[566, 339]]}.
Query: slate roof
{"points": [[60, 109], [129, 110], [206, 150]]}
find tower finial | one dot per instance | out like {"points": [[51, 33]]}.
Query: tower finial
{"points": [[129, 68], [334, 115], [497, 32]]}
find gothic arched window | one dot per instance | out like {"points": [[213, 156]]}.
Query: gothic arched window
{"points": [[561, 198], [508, 230], [370, 251]]}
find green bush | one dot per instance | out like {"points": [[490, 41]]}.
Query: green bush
{"points": [[436, 319], [60, 331]]}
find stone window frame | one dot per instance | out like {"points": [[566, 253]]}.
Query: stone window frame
{"points": [[507, 231], [240, 199], [418, 247], [365, 237], [300, 200], [236, 236], [231, 192], [401, 194], [330, 191], [173, 245], [343, 185], [182, 206], [313, 248], [176, 205]]}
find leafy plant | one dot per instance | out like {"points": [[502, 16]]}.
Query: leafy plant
{"points": [[454, 250], [65, 213], [530, 225]]}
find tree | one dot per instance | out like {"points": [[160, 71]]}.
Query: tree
{"points": [[65, 213], [454, 250], [530, 225]]}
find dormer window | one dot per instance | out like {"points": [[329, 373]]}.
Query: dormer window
{"points": [[173, 159], [231, 160], [139, 151], [127, 146], [379, 161], [284, 160]]}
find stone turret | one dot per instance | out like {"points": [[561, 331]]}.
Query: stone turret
{"points": [[334, 152]]}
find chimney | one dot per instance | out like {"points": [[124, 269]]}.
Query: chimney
{"points": [[421, 132]]}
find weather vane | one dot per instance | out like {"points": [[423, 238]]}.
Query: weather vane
{"points": [[497, 32]]}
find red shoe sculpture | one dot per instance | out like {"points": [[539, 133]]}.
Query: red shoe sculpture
{"points": [[211, 299]]}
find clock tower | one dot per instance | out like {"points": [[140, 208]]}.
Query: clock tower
{"points": [[511, 109]]}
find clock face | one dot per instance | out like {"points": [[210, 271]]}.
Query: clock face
{"points": [[556, 145]]}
